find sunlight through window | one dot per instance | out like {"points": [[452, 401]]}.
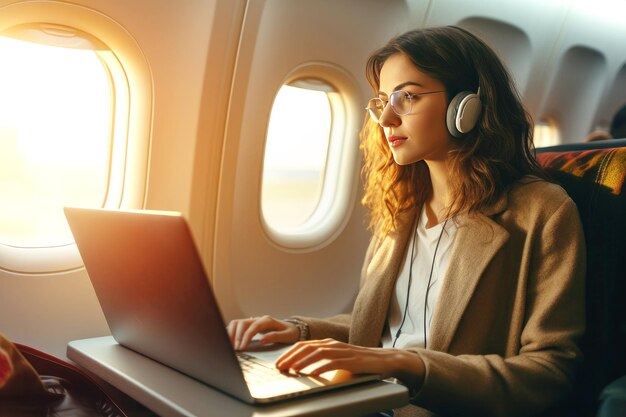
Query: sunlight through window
{"points": [[546, 133], [55, 134], [296, 153]]}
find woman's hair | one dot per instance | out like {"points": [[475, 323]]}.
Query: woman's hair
{"points": [[498, 151]]}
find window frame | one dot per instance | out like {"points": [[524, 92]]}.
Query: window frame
{"points": [[332, 104], [130, 77], [546, 132], [337, 198]]}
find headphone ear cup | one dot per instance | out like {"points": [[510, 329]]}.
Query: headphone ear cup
{"points": [[453, 108], [463, 113]]}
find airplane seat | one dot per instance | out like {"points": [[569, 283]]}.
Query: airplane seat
{"points": [[613, 399], [594, 175]]}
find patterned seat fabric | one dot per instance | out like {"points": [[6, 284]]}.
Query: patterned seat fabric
{"points": [[594, 175]]}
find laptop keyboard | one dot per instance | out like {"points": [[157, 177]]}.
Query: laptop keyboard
{"points": [[255, 371]]}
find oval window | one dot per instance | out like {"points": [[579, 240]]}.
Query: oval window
{"points": [[75, 119], [311, 159], [55, 134], [296, 153], [546, 133]]}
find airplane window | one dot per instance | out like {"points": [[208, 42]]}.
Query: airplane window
{"points": [[546, 133], [580, 73], [509, 41], [55, 134], [296, 153], [75, 123]]}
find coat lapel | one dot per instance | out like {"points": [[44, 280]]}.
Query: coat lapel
{"points": [[477, 241], [369, 315]]}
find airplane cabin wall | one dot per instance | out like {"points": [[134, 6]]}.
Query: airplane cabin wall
{"points": [[216, 66], [48, 310], [571, 70], [253, 274]]}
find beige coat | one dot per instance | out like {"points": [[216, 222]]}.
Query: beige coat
{"points": [[504, 333]]}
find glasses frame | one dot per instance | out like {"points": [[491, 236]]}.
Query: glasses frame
{"points": [[411, 96]]}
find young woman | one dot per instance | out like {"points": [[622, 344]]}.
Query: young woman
{"points": [[472, 290]]}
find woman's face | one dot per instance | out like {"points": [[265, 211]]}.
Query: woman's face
{"points": [[422, 133]]}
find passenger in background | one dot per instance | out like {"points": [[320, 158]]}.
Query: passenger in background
{"points": [[597, 135], [618, 125], [617, 129], [472, 290]]}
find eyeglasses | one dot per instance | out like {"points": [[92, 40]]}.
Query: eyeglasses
{"points": [[401, 103]]}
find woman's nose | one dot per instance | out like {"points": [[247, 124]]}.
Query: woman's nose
{"points": [[389, 117]]}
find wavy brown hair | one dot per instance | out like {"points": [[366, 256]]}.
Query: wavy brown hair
{"points": [[497, 152]]}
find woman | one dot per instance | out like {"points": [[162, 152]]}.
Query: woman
{"points": [[472, 290]]}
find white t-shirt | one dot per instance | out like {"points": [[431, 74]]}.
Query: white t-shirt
{"points": [[412, 334]]}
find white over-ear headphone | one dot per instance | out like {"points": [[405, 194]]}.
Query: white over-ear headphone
{"points": [[463, 113]]}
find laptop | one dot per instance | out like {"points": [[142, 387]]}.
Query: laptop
{"points": [[157, 300]]}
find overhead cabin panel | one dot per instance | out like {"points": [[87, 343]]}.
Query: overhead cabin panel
{"points": [[598, 26], [522, 33], [576, 88]]}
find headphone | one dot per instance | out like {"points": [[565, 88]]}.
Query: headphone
{"points": [[463, 113]]}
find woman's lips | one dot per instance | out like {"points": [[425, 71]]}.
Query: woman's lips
{"points": [[395, 141]]}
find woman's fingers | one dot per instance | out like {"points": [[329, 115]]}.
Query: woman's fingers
{"points": [[289, 334], [306, 353], [329, 355], [242, 331], [257, 325], [243, 328], [236, 330], [231, 329]]}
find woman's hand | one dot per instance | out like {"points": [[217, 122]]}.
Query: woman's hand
{"points": [[404, 365], [241, 331]]}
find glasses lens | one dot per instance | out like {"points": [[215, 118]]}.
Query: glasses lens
{"points": [[400, 102], [375, 107]]}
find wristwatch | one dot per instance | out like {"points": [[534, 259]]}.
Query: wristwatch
{"points": [[302, 327]]}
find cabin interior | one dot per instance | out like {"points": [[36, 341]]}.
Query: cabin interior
{"points": [[243, 115]]}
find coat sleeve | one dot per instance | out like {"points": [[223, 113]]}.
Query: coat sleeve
{"points": [[337, 327], [543, 370]]}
